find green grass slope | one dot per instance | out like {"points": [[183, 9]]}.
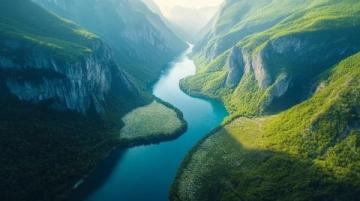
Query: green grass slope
{"points": [[287, 45], [309, 152], [31, 24]]}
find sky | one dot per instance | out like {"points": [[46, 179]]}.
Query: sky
{"points": [[166, 6]]}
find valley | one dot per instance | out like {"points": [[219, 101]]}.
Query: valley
{"points": [[104, 100], [64, 94], [289, 77], [154, 166]]}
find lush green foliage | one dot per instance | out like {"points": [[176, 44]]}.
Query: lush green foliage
{"points": [[299, 39], [153, 121], [309, 152], [32, 24], [317, 16], [45, 152], [42, 149]]}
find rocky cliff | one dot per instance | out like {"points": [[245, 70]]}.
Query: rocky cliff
{"points": [[236, 68], [62, 97], [269, 60], [73, 70], [69, 85], [142, 42], [293, 133]]}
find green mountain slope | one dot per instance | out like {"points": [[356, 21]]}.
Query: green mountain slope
{"points": [[289, 75], [310, 152], [273, 66], [142, 42], [38, 48], [62, 97], [59, 36]]}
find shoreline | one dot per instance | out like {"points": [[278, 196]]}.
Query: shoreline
{"points": [[125, 144], [128, 144]]}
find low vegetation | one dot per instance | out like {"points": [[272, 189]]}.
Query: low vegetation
{"points": [[152, 123], [33, 25]]}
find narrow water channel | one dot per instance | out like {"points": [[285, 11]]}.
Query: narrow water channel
{"points": [[145, 173]]}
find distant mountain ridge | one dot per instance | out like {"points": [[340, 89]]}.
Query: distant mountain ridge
{"points": [[175, 28], [192, 21], [142, 42]]}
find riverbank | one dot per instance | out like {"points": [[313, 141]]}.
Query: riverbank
{"points": [[156, 165], [147, 137], [308, 152], [152, 124]]}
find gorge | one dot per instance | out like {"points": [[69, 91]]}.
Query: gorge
{"points": [[104, 100], [154, 166]]}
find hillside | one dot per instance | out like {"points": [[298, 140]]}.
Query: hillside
{"points": [[310, 152], [289, 75], [273, 58], [44, 57], [61, 97], [142, 42]]}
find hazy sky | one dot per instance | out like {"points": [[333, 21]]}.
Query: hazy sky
{"points": [[167, 5]]}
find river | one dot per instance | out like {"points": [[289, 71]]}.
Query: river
{"points": [[145, 173]]}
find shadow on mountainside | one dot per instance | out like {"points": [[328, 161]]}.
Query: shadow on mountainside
{"points": [[221, 168]]}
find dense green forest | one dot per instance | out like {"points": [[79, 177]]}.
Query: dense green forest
{"points": [[77, 81], [283, 53], [63, 95], [289, 75], [310, 152]]}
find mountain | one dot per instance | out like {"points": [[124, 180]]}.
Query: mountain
{"points": [[184, 21], [289, 76], [175, 28], [55, 59], [191, 20], [272, 59], [153, 7], [308, 153], [142, 42], [62, 95]]}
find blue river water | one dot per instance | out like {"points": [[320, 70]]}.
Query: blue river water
{"points": [[145, 173]]}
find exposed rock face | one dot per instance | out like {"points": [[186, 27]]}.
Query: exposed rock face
{"points": [[35, 76], [242, 62], [288, 65], [236, 68], [278, 89], [286, 44], [261, 75], [138, 36], [320, 48]]}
